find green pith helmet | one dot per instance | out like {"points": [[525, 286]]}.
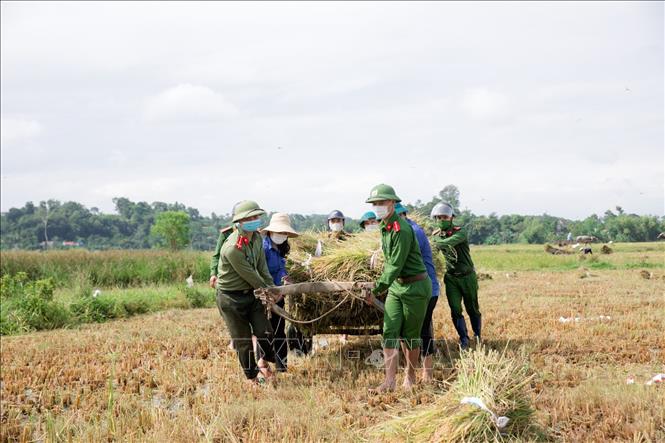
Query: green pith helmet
{"points": [[246, 209], [367, 216], [382, 192], [400, 209]]}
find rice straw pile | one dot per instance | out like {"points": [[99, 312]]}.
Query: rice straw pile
{"points": [[358, 258], [496, 380]]}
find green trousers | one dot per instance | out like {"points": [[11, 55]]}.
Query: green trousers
{"points": [[405, 309], [245, 316], [462, 289]]}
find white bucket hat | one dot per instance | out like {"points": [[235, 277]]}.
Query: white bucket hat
{"points": [[280, 222]]}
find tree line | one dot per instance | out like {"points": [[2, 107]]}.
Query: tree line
{"points": [[142, 225]]}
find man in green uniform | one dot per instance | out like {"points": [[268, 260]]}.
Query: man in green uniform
{"points": [[243, 268], [460, 279], [409, 288], [214, 262]]}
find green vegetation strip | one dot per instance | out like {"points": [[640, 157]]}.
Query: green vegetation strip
{"points": [[37, 305]]}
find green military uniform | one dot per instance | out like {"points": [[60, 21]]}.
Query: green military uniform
{"points": [[243, 268], [214, 262], [407, 301], [460, 280]]}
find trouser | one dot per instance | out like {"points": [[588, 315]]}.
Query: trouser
{"points": [[245, 316], [405, 309], [427, 332], [463, 289], [279, 339]]}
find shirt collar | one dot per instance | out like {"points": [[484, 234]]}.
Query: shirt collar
{"points": [[267, 243], [394, 217]]}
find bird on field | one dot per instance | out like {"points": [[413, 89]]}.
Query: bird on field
{"points": [[96, 293], [190, 281]]}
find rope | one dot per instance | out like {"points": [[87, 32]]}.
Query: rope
{"points": [[305, 322], [267, 300]]}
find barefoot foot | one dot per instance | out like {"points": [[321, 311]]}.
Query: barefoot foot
{"points": [[384, 387]]}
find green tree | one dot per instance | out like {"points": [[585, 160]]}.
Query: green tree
{"points": [[450, 194], [171, 229]]}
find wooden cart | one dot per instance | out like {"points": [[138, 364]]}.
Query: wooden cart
{"points": [[364, 315]]}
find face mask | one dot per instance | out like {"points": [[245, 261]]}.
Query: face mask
{"points": [[380, 211], [445, 224], [336, 227], [278, 239], [371, 228], [250, 226]]}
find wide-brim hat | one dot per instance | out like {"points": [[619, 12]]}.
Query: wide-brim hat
{"points": [[280, 222]]}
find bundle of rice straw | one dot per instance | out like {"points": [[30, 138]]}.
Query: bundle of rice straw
{"points": [[557, 251], [488, 401], [358, 258]]}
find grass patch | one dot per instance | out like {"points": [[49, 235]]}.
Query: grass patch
{"points": [[33, 306], [124, 268]]}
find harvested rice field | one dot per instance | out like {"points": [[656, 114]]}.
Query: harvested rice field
{"points": [[591, 334]]}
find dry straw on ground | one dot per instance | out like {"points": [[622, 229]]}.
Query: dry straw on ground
{"points": [[489, 400]]}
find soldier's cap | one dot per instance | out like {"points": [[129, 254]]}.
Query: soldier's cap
{"points": [[246, 209], [382, 192]]}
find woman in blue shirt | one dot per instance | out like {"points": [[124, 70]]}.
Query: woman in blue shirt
{"points": [[427, 333], [276, 247]]}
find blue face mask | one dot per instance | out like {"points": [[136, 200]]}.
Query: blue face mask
{"points": [[250, 226]]}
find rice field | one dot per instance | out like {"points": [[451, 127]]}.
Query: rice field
{"points": [[583, 327]]}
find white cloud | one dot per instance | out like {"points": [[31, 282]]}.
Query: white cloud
{"points": [[188, 102], [481, 103], [328, 114], [16, 129]]}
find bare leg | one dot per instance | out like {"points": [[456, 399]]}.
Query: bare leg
{"points": [[391, 361], [265, 370], [412, 360], [428, 369]]}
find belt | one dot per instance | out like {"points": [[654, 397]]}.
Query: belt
{"points": [[412, 279], [462, 274], [239, 292]]}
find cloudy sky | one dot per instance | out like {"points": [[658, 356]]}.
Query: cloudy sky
{"points": [[527, 108]]}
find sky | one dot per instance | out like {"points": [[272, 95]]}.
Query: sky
{"points": [[527, 108]]}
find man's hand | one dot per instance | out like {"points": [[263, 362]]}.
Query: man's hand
{"points": [[213, 281], [367, 295]]}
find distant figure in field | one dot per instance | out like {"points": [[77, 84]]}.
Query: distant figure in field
{"points": [[336, 223], [585, 239]]}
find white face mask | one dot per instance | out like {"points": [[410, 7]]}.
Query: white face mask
{"points": [[380, 211], [278, 239], [336, 227], [371, 228]]}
